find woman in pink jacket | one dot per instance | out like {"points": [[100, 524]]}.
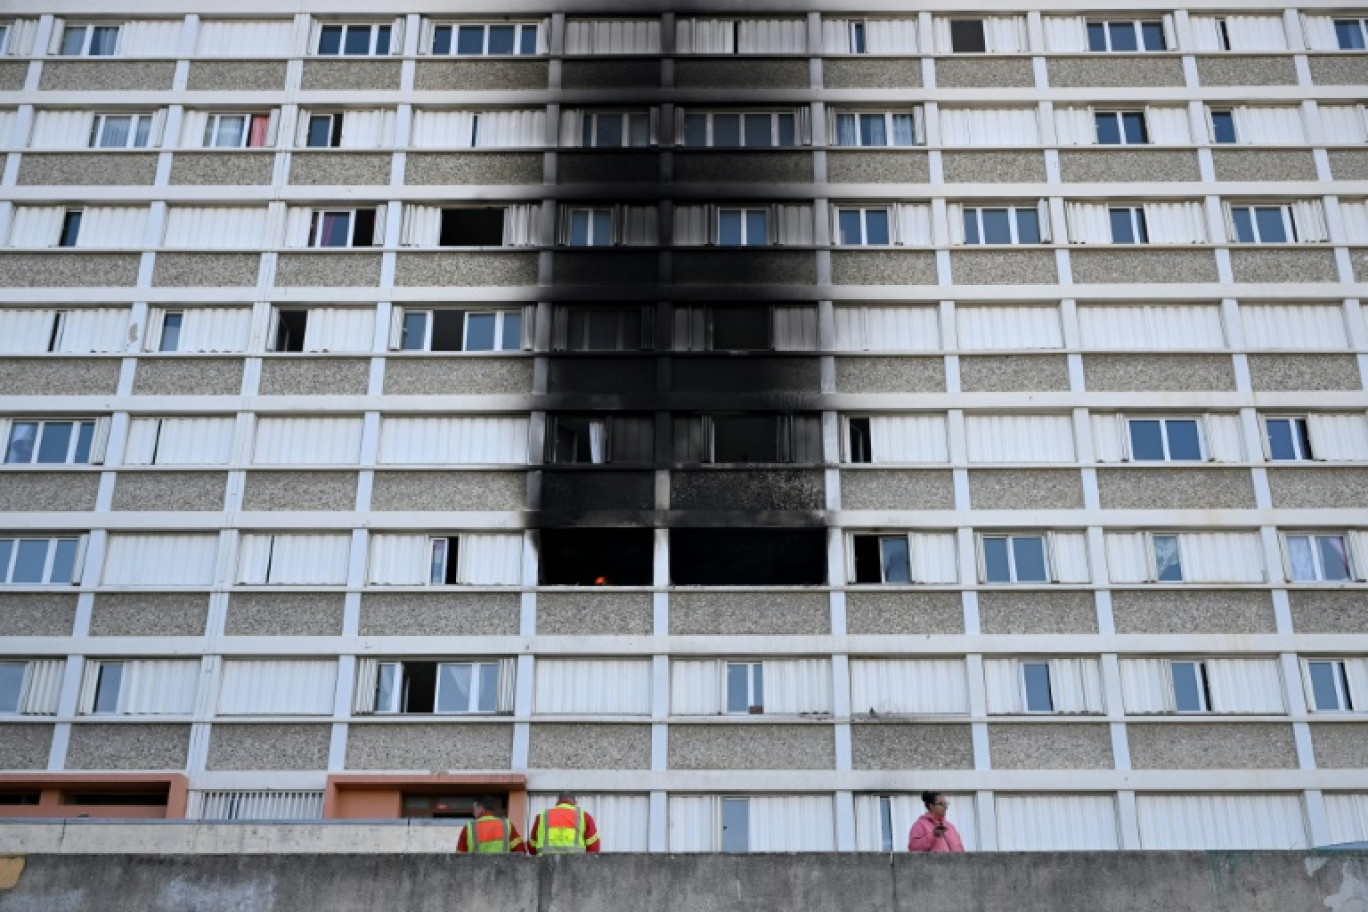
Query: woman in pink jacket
{"points": [[932, 832]]}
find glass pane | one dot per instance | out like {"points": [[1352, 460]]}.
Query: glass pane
{"points": [[1123, 36], [384, 688], [330, 40], [1122, 229], [414, 336], [441, 39], [726, 130], [758, 129], [996, 568], [876, 226], [848, 223], [755, 227], [845, 130], [872, 130], [738, 688], [1334, 559], [501, 39], [638, 130], [787, 135], [1133, 124], [336, 230], [1168, 564], [904, 133], [1153, 33], [1244, 225], [470, 39], [54, 442], [896, 566], [22, 436], [29, 561], [603, 227], [1028, 226], [480, 332], [103, 40], [171, 328], [609, 130], [358, 40], [1299, 556], [1146, 440], [971, 228], [437, 564], [64, 561], [11, 684], [758, 685], [603, 330], [142, 131], [857, 38], [453, 688], [1097, 36], [735, 825], [695, 129], [85, 434], [997, 228], [579, 228], [1029, 553], [1183, 440], [320, 131], [527, 40], [114, 135], [512, 332], [1323, 686], [1271, 227], [107, 687], [489, 688], [729, 227], [1223, 126], [6, 552], [231, 130], [382, 39], [1187, 688], [73, 38], [1108, 130], [1036, 676], [1349, 34]]}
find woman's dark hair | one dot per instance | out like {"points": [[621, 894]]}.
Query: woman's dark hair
{"points": [[929, 798]]}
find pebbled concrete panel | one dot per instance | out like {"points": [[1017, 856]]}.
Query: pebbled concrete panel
{"points": [[985, 373], [1022, 489], [34, 492], [763, 613], [1114, 71], [1171, 610], [1339, 746], [1003, 267], [284, 614], [596, 747], [1326, 489], [598, 613], [46, 269], [873, 167], [443, 613], [268, 747], [449, 491], [1212, 745], [1288, 266], [89, 170], [1349, 164], [597, 74], [12, 75], [474, 168], [221, 169], [340, 168], [890, 375], [1109, 164], [767, 167], [748, 490], [446, 747], [1250, 165], [721, 73], [462, 376], [310, 375], [351, 75], [1045, 746], [1232, 70], [1159, 373], [993, 167], [882, 267], [897, 489], [984, 72], [327, 269], [1339, 69], [236, 76], [751, 747], [139, 614], [465, 269], [903, 612], [911, 746], [170, 491], [1059, 612], [59, 377], [1138, 267], [188, 377], [480, 75], [25, 747], [128, 747], [107, 75], [754, 267], [1163, 488], [1276, 373], [300, 491], [199, 270], [1326, 611], [36, 614], [882, 73]]}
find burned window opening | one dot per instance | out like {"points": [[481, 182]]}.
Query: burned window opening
{"points": [[597, 557], [600, 439], [290, 325], [748, 557], [472, 227]]}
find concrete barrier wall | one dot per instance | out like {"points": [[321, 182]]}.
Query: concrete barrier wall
{"points": [[997, 882]]}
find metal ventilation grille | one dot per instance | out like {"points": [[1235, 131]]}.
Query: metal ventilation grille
{"points": [[257, 805]]}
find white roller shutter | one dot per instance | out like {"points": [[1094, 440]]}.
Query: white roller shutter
{"points": [[339, 329], [1269, 125], [98, 329], [160, 560], [61, 129], [797, 686], [42, 689], [1220, 822], [887, 329], [1055, 823], [610, 687], [771, 36], [278, 687], [695, 687], [1283, 327], [179, 441], [448, 440], [1221, 557], [245, 38], [1146, 686], [1019, 438], [933, 557], [370, 129], [1168, 126], [1175, 223], [297, 560], [36, 226], [623, 821], [1343, 124], [150, 38], [205, 329], [1066, 34], [991, 328], [1338, 438], [908, 687], [792, 823], [112, 227], [612, 36], [1175, 327], [307, 441], [1347, 815], [490, 559], [908, 438], [399, 560], [215, 227], [989, 127], [1245, 686]]}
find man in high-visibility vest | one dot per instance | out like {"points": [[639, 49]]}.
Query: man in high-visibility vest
{"points": [[565, 829], [488, 834]]}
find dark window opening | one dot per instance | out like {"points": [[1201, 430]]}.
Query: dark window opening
{"points": [[116, 799], [447, 807], [599, 440], [448, 330], [363, 229], [966, 36], [472, 227], [19, 797], [744, 328], [748, 557], [861, 446], [420, 687], [597, 557], [71, 228], [325, 131], [601, 329], [445, 563], [290, 325], [745, 438]]}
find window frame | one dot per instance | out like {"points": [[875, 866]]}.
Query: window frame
{"points": [[1225, 126], [73, 448], [1299, 434], [1025, 683], [630, 327], [1135, 219], [374, 30], [890, 117], [1014, 213], [88, 30], [453, 38], [1201, 681], [710, 115], [883, 539], [597, 220], [1344, 693], [1013, 572], [1121, 117], [589, 128], [1203, 453], [136, 120], [11, 545], [249, 119], [318, 225], [1360, 25], [1137, 26], [1250, 212], [500, 328], [1158, 571], [1314, 547], [743, 214], [397, 671], [607, 420], [864, 212], [754, 696]]}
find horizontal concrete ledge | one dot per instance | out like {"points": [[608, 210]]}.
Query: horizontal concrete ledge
{"points": [[1064, 882]]}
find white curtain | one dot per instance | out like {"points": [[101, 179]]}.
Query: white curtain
{"points": [[522, 225], [1343, 123], [792, 224], [1269, 125], [215, 227], [245, 38], [179, 441], [1338, 438], [989, 127], [888, 328], [61, 129], [371, 129], [705, 36], [277, 687], [636, 225], [150, 38], [1308, 218], [692, 224], [339, 329], [1065, 34], [908, 438], [612, 36], [307, 441]]}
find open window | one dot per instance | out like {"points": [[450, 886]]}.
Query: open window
{"points": [[89, 41], [745, 327], [40, 561], [54, 442], [30, 687], [344, 228], [900, 558], [584, 328], [597, 557], [741, 438], [450, 329], [419, 686], [608, 439], [967, 36], [1337, 685], [1318, 558], [475, 227], [748, 557]]}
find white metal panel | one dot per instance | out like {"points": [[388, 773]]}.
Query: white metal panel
{"points": [[1320, 33], [339, 329], [622, 821], [1128, 557], [613, 687], [111, 227], [451, 440], [245, 38], [443, 129], [1054, 823], [1069, 557], [61, 129], [158, 687], [399, 560], [612, 36], [1224, 438], [254, 805], [278, 687], [797, 686], [215, 227], [695, 687], [1170, 327], [1146, 686], [888, 328], [1245, 686], [294, 559], [792, 823], [1002, 34], [1075, 126], [179, 441], [1338, 438], [1216, 822], [694, 824], [307, 441], [1269, 125], [908, 686], [903, 812], [1002, 692], [1354, 215], [8, 119], [1019, 438], [511, 128], [1077, 686], [983, 328], [23, 34], [989, 127], [213, 329], [1180, 222], [1347, 815], [933, 557], [771, 36], [160, 560], [490, 559], [1168, 125], [370, 129], [25, 331], [42, 687], [93, 329], [1221, 557], [150, 38], [1275, 327], [1343, 124], [908, 438], [36, 226], [1109, 437]]}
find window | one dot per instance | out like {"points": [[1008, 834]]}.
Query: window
{"points": [[121, 131], [238, 131], [1035, 687], [345, 228], [71, 232], [482, 227], [50, 442], [89, 41], [445, 561], [758, 129], [1164, 439], [1263, 224], [745, 687], [4, 38], [483, 40], [882, 559], [735, 825], [747, 438], [1128, 225], [865, 226], [354, 40], [742, 227], [1350, 34], [172, 321], [36, 561], [461, 330], [591, 440], [437, 687], [1168, 560], [1014, 559], [1191, 691], [1120, 128], [591, 227], [860, 445], [744, 327], [1330, 690], [1288, 439], [877, 128], [324, 131], [601, 329], [1223, 127], [11, 685], [1317, 558], [107, 683], [615, 129], [967, 37], [1006, 225], [1126, 35]]}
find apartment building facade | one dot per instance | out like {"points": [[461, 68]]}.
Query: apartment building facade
{"points": [[745, 416]]}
